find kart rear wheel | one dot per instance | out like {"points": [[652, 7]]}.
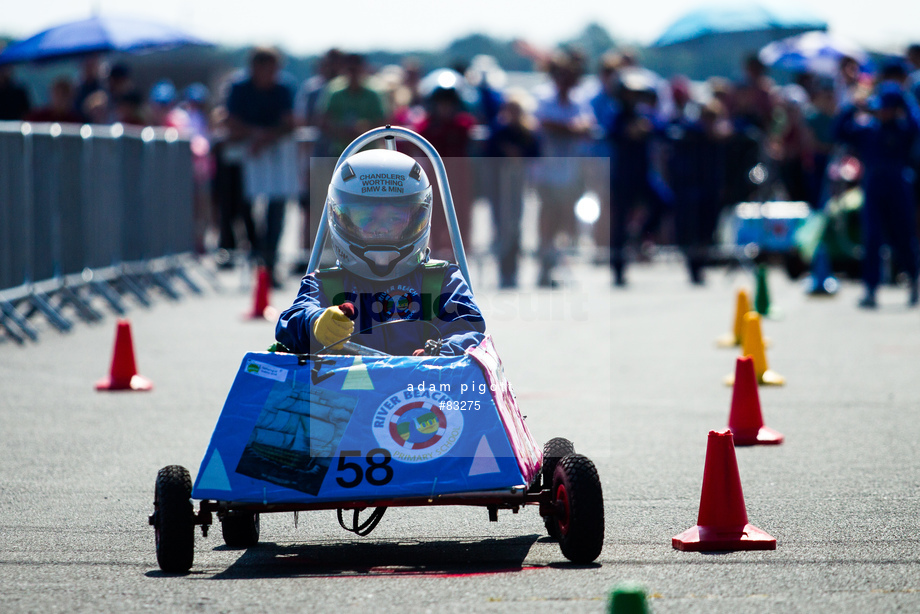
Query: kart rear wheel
{"points": [[554, 450], [174, 519], [240, 529], [579, 503]]}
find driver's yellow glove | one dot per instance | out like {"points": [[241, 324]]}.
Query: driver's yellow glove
{"points": [[333, 324]]}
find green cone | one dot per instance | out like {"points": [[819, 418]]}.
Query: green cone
{"points": [[627, 598], [762, 294]]}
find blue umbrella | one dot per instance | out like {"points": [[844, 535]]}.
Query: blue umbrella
{"points": [[96, 35], [738, 18], [816, 52]]}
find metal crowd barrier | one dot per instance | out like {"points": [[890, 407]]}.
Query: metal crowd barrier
{"points": [[90, 213]]}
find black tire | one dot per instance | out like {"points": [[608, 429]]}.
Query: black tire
{"points": [[240, 529], [174, 519], [554, 450], [579, 503]]}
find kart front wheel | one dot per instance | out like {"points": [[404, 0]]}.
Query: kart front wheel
{"points": [[174, 519], [240, 529], [554, 450], [579, 508]]}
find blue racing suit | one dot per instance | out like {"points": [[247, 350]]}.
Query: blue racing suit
{"points": [[885, 149], [454, 313]]}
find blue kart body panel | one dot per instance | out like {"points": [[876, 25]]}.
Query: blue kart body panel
{"points": [[325, 429], [770, 225]]}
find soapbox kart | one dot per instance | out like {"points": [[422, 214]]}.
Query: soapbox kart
{"points": [[366, 430]]}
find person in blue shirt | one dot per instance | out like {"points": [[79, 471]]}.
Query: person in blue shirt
{"points": [[884, 141], [384, 288]]}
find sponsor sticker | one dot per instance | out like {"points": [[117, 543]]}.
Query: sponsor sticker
{"points": [[267, 371], [413, 427]]}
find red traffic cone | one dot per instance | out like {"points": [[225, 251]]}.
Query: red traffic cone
{"points": [[123, 374], [722, 523], [745, 419], [260, 305]]}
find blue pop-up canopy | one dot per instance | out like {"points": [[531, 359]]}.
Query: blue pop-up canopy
{"points": [[723, 19], [817, 52], [98, 34]]}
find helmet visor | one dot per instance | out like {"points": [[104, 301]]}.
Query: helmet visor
{"points": [[379, 220]]}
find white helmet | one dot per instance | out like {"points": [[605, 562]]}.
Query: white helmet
{"points": [[379, 209]]}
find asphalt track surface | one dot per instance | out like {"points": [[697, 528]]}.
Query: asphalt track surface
{"points": [[631, 376]]}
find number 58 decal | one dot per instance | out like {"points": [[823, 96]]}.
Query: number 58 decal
{"points": [[373, 472]]}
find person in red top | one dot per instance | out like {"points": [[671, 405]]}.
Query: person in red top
{"points": [[60, 108], [447, 126]]}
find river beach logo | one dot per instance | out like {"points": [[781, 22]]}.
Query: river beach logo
{"points": [[414, 429]]}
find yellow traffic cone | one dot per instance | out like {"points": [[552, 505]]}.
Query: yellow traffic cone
{"points": [[742, 306], [753, 346]]}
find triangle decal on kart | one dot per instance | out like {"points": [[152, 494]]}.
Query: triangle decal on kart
{"points": [[214, 476], [357, 377], [484, 460]]}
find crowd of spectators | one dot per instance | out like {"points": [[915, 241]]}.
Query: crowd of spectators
{"points": [[664, 158]]}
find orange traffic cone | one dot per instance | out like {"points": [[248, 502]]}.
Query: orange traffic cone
{"points": [[745, 419], [742, 306], [261, 309], [753, 346], [722, 523], [123, 374]]}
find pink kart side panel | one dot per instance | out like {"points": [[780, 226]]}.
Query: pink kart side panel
{"points": [[529, 455]]}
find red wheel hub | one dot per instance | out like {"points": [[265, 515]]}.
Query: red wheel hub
{"points": [[563, 511]]}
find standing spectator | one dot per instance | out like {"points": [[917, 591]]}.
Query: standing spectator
{"points": [[123, 93], [344, 114], [195, 106], [485, 75], [307, 111], [848, 81], [913, 58], [913, 81], [89, 83], [309, 98], [605, 106], [14, 99], [227, 188], [754, 104], [565, 125], [742, 146], [884, 142], [260, 114], [95, 109], [352, 110], [511, 143], [163, 108], [820, 122], [60, 108], [409, 109], [604, 103], [129, 109], [695, 167], [791, 143], [634, 180], [894, 71], [447, 127]]}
